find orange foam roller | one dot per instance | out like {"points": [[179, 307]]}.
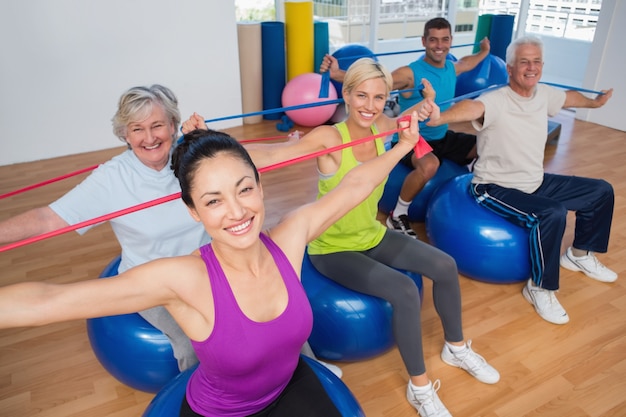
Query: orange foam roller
{"points": [[249, 36]]}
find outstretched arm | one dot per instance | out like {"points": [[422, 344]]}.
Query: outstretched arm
{"points": [[577, 99], [469, 62], [38, 303], [403, 79], [267, 154], [318, 139], [428, 92], [385, 123], [30, 223], [462, 111]]}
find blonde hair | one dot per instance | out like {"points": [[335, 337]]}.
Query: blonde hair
{"points": [[364, 69]]}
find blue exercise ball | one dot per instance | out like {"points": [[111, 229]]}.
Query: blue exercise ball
{"points": [[485, 246], [346, 55], [417, 210], [489, 72], [338, 392], [347, 325], [131, 349], [167, 402]]}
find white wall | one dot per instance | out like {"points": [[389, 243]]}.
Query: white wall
{"points": [[565, 60], [64, 64], [606, 66]]}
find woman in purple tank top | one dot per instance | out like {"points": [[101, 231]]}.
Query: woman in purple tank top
{"points": [[239, 299]]}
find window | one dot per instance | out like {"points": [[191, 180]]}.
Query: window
{"points": [[573, 23], [349, 20], [397, 19], [255, 10]]}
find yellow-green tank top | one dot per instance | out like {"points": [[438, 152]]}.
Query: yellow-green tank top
{"points": [[358, 230]]}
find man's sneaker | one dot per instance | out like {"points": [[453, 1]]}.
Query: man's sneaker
{"points": [[545, 303], [472, 362], [427, 404], [588, 265], [401, 225]]}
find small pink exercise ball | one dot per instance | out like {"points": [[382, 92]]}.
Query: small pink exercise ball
{"points": [[305, 89]]}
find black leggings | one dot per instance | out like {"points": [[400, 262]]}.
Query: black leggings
{"points": [[372, 272], [304, 396]]}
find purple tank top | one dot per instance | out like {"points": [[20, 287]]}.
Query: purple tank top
{"points": [[245, 365]]}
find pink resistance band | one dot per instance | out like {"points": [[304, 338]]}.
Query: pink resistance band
{"points": [[91, 168], [174, 196], [46, 182]]}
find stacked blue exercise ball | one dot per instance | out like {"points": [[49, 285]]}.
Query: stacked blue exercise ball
{"points": [[417, 210], [489, 72], [485, 246], [346, 55], [131, 349], [347, 325]]}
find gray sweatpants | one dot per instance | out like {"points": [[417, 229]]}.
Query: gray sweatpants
{"points": [[160, 318], [372, 272]]}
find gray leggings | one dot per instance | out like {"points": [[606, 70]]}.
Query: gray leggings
{"points": [[372, 272], [160, 318]]}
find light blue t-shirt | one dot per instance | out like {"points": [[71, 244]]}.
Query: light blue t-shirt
{"points": [[443, 81], [160, 231]]}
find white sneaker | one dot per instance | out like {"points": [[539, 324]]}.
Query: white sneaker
{"points": [[332, 368], [545, 303], [427, 404], [588, 265], [472, 362]]}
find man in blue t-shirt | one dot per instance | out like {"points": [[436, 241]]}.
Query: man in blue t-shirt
{"points": [[442, 73]]}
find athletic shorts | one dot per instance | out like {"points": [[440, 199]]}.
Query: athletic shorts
{"points": [[454, 146]]}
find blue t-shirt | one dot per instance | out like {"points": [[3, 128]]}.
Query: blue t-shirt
{"points": [[160, 231], [443, 81]]}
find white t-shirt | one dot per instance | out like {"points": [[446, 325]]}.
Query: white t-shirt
{"points": [[163, 230], [512, 138]]}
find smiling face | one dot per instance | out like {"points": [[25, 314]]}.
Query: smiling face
{"points": [[437, 46], [366, 101], [151, 138], [228, 200], [525, 71]]}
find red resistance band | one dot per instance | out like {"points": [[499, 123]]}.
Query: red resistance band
{"points": [[91, 168], [46, 182], [174, 196]]}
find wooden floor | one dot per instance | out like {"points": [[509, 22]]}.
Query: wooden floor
{"points": [[578, 369]]}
